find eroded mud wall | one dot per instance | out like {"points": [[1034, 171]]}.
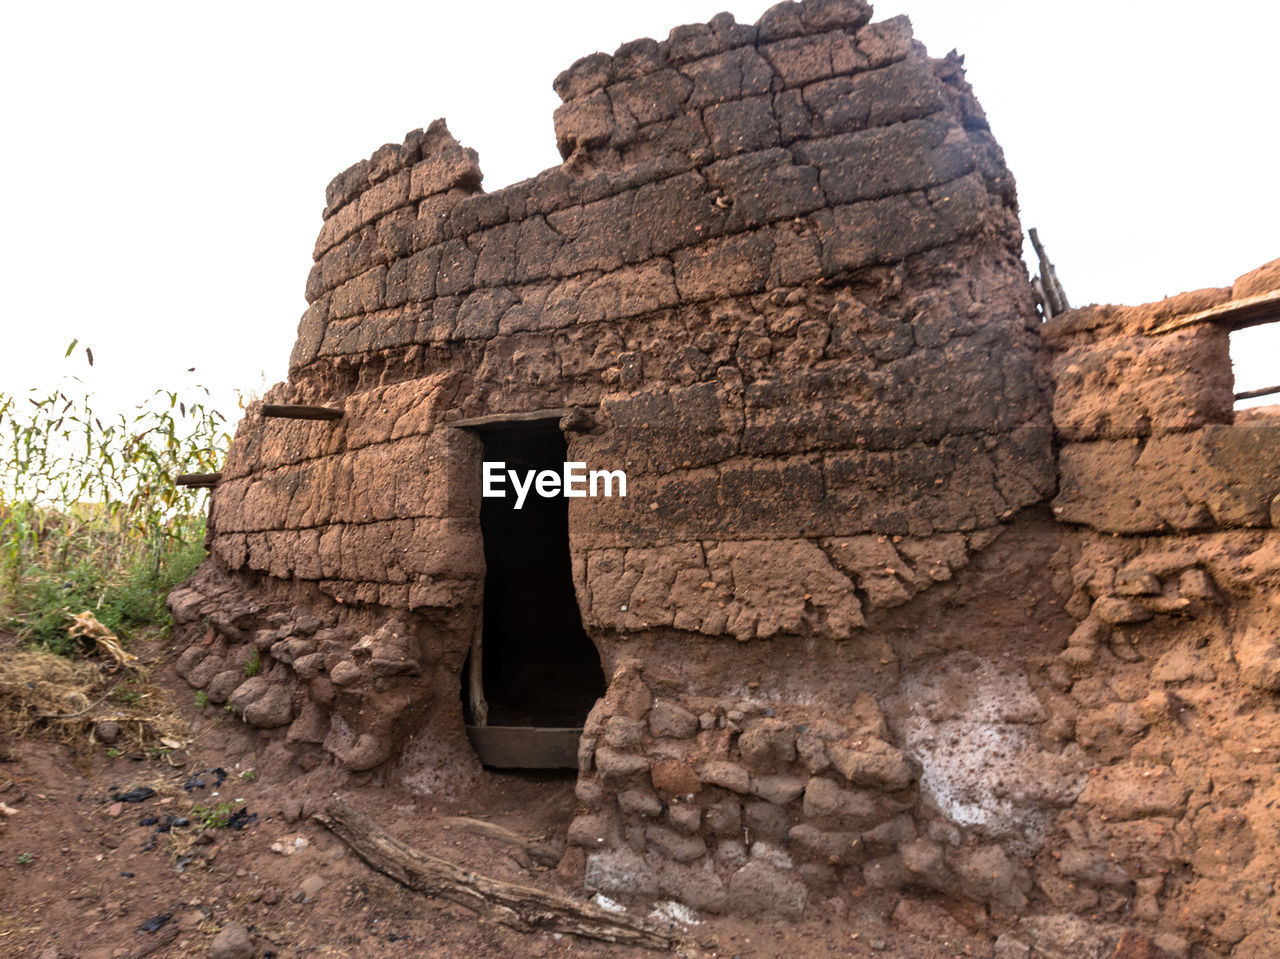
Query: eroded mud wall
{"points": [[779, 267], [1170, 676], [850, 644]]}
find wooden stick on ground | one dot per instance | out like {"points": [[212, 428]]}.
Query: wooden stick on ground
{"points": [[520, 907], [544, 854]]}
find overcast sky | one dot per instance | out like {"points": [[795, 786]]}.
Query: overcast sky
{"points": [[166, 163]]}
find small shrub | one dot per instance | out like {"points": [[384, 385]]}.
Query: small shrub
{"points": [[253, 664], [202, 698], [213, 817]]}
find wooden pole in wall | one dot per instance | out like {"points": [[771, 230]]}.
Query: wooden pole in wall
{"points": [[273, 411], [197, 480], [1250, 394], [1052, 294]]}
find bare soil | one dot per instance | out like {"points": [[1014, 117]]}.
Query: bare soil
{"points": [[86, 875]]}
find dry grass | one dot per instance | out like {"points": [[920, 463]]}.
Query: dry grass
{"points": [[63, 699]]}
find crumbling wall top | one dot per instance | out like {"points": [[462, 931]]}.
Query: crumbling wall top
{"points": [[1159, 316]]}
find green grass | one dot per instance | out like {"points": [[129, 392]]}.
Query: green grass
{"points": [[90, 515], [214, 817], [124, 599]]}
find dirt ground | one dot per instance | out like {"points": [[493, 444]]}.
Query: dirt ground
{"points": [[87, 873]]}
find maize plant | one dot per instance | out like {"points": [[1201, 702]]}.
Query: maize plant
{"points": [[90, 515]]}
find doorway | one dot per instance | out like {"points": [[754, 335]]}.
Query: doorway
{"points": [[538, 672]]}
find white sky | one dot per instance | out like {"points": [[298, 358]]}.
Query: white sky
{"points": [[167, 162]]}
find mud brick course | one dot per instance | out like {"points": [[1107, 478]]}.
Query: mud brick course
{"points": [[910, 590]]}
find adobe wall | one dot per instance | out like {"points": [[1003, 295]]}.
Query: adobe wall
{"points": [[1171, 675], [859, 632], [785, 258]]}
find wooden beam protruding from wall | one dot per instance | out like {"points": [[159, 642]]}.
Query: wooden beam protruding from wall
{"points": [[198, 480], [274, 411]]}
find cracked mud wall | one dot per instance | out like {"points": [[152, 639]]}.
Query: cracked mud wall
{"points": [[850, 643], [786, 259], [1168, 682]]}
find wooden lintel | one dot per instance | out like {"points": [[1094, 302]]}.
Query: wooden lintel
{"points": [[274, 411], [495, 421], [198, 479], [1236, 314]]}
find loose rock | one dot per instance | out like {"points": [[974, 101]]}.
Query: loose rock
{"points": [[232, 942]]}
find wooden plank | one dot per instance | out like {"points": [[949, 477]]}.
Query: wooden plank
{"points": [[1249, 311], [525, 908], [498, 420], [275, 411], [526, 747], [197, 479]]}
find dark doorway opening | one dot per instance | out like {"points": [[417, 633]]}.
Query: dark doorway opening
{"points": [[538, 667]]}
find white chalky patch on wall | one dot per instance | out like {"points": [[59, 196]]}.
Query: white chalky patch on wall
{"points": [[971, 723]]}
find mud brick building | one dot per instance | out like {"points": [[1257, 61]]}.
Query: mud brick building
{"points": [[909, 589]]}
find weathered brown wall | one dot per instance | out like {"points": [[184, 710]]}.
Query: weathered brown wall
{"points": [[785, 258], [849, 642], [1170, 676]]}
